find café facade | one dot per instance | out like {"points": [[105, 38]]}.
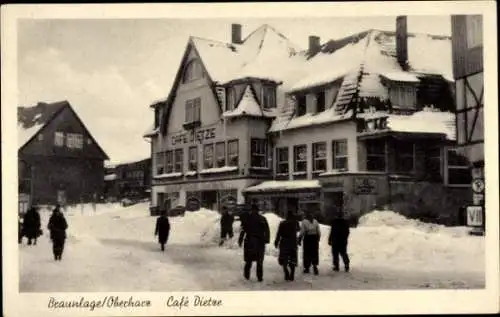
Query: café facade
{"points": [[309, 133]]}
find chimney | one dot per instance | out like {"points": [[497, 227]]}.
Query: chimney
{"points": [[236, 33], [314, 44], [402, 42]]}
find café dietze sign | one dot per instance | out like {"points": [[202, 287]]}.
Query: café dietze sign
{"points": [[193, 136]]}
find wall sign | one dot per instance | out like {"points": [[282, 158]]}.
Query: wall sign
{"points": [[193, 136], [475, 216], [365, 186], [478, 185]]}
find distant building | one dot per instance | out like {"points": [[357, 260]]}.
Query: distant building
{"points": [[59, 159], [467, 37], [131, 179], [350, 124]]}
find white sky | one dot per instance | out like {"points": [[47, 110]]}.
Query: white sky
{"points": [[112, 70]]}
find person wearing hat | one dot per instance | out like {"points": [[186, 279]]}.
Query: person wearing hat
{"points": [[286, 240], [226, 225], [31, 225], [255, 234], [57, 227], [339, 235], [162, 229], [310, 233]]}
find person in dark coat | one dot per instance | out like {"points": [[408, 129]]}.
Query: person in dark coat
{"points": [[255, 234], [339, 235], [31, 225], [162, 229], [286, 240], [226, 225], [310, 233], [57, 227]]}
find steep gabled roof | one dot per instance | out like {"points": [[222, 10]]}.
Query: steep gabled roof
{"points": [[32, 120]]}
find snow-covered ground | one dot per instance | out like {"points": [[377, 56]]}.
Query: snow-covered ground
{"points": [[114, 249]]}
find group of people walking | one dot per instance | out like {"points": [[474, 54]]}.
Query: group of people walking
{"points": [[30, 227], [255, 235]]}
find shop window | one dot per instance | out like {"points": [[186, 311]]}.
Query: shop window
{"points": [[160, 163], [59, 139], [169, 165], [375, 155], [320, 102], [220, 154], [208, 156], [193, 71], [282, 160], [193, 158], [178, 158], [474, 24], [301, 105], [319, 157], [459, 172], [339, 155], [268, 97], [300, 158], [193, 107], [404, 156], [232, 153], [403, 96], [259, 153]]}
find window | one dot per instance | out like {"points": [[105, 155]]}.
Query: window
{"points": [[375, 155], [339, 155], [193, 158], [474, 25], [160, 163], [259, 153], [169, 158], [74, 141], [220, 154], [404, 156], [178, 159], [232, 152], [231, 99], [301, 105], [459, 172], [58, 139], [300, 158], [319, 157], [268, 97], [282, 160], [193, 71], [40, 137], [208, 156], [432, 162], [320, 101], [403, 96], [193, 110]]}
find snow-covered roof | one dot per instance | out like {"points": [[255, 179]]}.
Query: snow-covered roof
{"points": [[283, 185], [222, 169], [151, 131], [30, 120], [247, 106], [401, 76]]}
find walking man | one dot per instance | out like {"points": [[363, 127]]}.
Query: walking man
{"points": [[226, 225], [255, 234], [57, 227], [31, 225], [310, 233], [286, 240], [162, 229], [338, 238]]}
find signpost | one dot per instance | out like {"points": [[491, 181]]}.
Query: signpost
{"points": [[475, 216]]}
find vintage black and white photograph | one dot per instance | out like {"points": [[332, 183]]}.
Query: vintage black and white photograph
{"points": [[330, 153]]}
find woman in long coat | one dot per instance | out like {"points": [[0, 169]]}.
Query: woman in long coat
{"points": [[57, 227], [286, 240], [31, 225], [162, 229], [311, 234]]}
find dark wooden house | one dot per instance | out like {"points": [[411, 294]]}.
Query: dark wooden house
{"points": [[59, 160]]}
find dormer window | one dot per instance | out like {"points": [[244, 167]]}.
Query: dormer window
{"points": [[301, 105], [320, 101], [403, 96], [230, 99], [268, 97], [193, 71]]}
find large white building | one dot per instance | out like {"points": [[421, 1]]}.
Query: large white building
{"points": [[352, 123]]}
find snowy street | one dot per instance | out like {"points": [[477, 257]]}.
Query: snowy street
{"points": [[114, 249]]}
